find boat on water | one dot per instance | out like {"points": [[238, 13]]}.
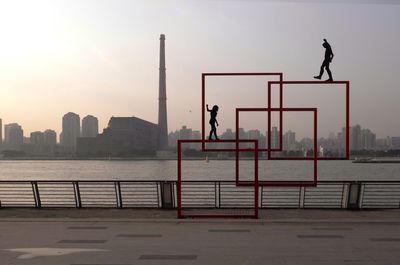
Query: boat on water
{"points": [[376, 160]]}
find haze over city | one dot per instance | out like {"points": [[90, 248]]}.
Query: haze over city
{"points": [[101, 57]]}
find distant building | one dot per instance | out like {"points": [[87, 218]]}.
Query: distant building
{"points": [[228, 134], [382, 144], [289, 141], [37, 138], [185, 133], [341, 141], [355, 138], [13, 136], [173, 138], [40, 144], [50, 137], [90, 126], [368, 139], [124, 136], [395, 143], [274, 137], [70, 130], [196, 135], [254, 134], [307, 144]]}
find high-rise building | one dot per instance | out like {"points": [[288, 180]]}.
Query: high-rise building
{"points": [[162, 100], [274, 137], [13, 136], [37, 138], [355, 138], [50, 137], [90, 126], [254, 134], [368, 139], [289, 141], [70, 130]]}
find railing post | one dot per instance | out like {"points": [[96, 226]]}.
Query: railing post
{"points": [[166, 195], [77, 193], [219, 194], [215, 195], [118, 194], [302, 197], [353, 198], [36, 194]]}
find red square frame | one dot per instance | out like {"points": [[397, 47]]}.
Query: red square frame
{"points": [[347, 110], [203, 104], [254, 183], [312, 183]]}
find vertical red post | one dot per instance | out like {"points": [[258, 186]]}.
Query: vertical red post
{"points": [[348, 120], [256, 186], [179, 183], [269, 122], [237, 147], [315, 145], [281, 115], [203, 102]]}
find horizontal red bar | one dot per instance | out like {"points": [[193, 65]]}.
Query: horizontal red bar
{"points": [[218, 216], [275, 109], [238, 74], [309, 82]]}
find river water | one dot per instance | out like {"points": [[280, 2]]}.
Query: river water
{"points": [[192, 170]]}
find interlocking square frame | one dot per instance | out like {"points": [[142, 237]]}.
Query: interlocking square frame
{"points": [[254, 183], [203, 109], [347, 110], [312, 183]]}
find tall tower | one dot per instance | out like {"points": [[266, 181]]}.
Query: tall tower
{"points": [[162, 100], [71, 129]]}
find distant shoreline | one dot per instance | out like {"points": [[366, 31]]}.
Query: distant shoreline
{"points": [[355, 160]]}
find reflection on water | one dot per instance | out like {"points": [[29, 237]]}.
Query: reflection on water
{"points": [[192, 170]]}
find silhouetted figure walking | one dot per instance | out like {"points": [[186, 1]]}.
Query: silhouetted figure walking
{"points": [[326, 62], [213, 121]]}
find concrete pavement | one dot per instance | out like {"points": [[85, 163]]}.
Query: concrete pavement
{"points": [[121, 237]]}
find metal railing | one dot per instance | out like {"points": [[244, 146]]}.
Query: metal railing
{"points": [[196, 194]]}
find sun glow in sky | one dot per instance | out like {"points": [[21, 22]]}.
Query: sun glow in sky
{"points": [[101, 57]]}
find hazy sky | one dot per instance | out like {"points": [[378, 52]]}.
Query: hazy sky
{"points": [[101, 57]]}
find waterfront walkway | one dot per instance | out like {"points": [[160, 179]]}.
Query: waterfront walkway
{"points": [[121, 237]]}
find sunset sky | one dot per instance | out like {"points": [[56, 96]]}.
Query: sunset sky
{"points": [[101, 57]]}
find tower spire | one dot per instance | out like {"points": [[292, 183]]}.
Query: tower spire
{"points": [[162, 100]]}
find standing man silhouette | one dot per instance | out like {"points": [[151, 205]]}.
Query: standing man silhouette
{"points": [[326, 62]]}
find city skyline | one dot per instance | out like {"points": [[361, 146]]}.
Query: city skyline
{"points": [[69, 68]]}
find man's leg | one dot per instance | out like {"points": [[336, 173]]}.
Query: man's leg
{"points": [[321, 71], [329, 72]]}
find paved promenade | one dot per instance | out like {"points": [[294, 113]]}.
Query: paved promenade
{"points": [[122, 237]]}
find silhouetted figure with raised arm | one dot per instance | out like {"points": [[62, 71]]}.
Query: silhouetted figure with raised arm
{"points": [[326, 62], [213, 121]]}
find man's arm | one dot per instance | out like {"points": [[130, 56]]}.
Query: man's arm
{"points": [[331, 56], [208, 108]]}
